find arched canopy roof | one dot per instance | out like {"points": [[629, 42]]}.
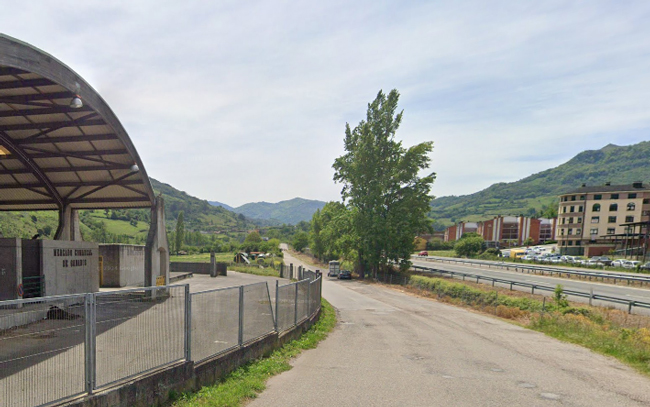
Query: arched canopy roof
{"points": [[53, 155]]}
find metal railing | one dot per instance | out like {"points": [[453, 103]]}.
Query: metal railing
{"points": [[616, 277], [540, 287], [55, 348]]}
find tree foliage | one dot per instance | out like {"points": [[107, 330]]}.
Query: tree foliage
{"points": [[382, 187], [300, 241], [180, 232], [469, 245]]}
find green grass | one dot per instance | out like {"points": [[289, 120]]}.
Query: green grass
{"points": [[607, 331], [202, 258], [249, 380], [442, 253], [255, 269]]}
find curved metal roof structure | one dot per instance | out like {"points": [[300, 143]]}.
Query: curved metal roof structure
{"points": [[55, 154]]}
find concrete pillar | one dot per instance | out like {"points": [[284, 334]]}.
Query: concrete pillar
{"points": [[213, 265], [11, 268], [68, 225], [156, 260]]}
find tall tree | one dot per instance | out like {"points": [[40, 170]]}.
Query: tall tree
{"points": [[382, 186], [180, 232]]}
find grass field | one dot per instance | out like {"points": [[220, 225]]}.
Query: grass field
{"points": [[202, 258]]}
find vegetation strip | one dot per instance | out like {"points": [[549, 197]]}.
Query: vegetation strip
{"points": [[249, 380], [606, 331]]}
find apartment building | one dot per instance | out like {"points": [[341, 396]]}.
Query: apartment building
{"points": [[506, 231], [593, 220]]}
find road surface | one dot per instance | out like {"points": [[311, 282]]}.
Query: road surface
{"points": [[600, 288], [394, 349]]}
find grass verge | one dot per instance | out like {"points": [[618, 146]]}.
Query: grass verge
{"points": [[254, 269], [248, 381], [604, 330]]}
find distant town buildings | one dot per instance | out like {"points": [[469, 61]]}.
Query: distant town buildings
{"points": [[506, 231], [595, 220]]}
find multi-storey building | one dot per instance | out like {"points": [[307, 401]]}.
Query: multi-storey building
{"points": [[506, 231], [593, 220]]}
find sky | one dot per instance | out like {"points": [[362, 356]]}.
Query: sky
{"points": [[246, 101]]}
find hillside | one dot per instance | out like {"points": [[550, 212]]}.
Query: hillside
{"points": [[223, 205], [290, 212], [131, 225], [617, 164]]}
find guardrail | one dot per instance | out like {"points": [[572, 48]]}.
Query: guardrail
{"points": [[544, 269], [590, 295], [60, 347]]}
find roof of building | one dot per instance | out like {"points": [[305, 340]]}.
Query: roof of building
{"points": [[57, 150], [610, 188]]}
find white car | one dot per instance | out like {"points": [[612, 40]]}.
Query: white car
{"points": [[618, 263], [631, 264]]}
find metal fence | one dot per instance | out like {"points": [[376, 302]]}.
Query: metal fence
{"points": [[54, 348]]}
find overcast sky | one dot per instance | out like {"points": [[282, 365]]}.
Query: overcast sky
{"points": [[245, 101]]}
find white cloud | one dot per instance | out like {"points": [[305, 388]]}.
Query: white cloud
{"points": [[247, 100]]}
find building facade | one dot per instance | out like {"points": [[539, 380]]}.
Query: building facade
{"points": [[594, 220], [506, 231]]}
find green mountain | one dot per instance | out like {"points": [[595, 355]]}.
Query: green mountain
{"points": [[131, 225], [528, 196], [290, 212]]}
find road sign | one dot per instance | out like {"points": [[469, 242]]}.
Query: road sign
{"points": [[19, 290]]}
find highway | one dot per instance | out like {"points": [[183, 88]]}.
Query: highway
{"points": [[394, 349], [622, 291]]}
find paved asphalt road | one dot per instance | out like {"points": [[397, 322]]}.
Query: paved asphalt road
{"points": [[620, 291], [394, 349]]}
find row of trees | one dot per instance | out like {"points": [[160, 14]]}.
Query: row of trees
{"points": [[384, 198]]}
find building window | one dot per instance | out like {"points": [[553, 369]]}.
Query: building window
{"points": [[611, 219], [593, 232], [573, 209], [570, 242], [631, 206], [629, 219], [579, 208], [570, 220], [631, 196], [613, 207], [578, 243], [578, 232], [646, 201], [579, 220], [614, 196], [564, 209], [563, 221], [595, 219], [610, 231], [561, 232], [596, 208], [570, 232], [598, 197], [573, 197], [582, 197]]}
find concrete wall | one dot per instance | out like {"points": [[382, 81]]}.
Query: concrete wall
{"points": [[155, 388], [69, 267], [196, 268], [123, 265], [10, 268]]}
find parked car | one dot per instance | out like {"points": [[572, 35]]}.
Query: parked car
{"points": [[618, 263], [345, 275], [631, 264], [603, 259], [645, 267], [423, 253], [593, 262]]}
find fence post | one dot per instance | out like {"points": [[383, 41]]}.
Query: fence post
{"points": [[241, 315], [90, 341], [591, 295], [188, 322], [277, 303], [295, 308], [308, 298], [290, 271]]}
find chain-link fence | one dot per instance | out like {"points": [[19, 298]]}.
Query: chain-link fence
{"points": [[54, 348]]}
